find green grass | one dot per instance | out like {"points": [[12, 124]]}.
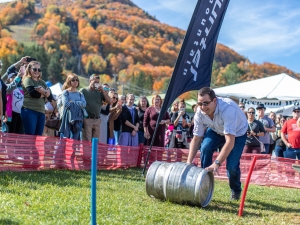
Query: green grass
{"points": [[63, 197], [22, 33]]}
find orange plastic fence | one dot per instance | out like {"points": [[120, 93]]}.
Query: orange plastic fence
{"points": [[27, 152], [269, 171]]}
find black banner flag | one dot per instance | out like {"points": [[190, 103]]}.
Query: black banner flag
{"points": [[194, 63]]}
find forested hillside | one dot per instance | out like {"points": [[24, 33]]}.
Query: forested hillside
{"points": [[113, 38]]}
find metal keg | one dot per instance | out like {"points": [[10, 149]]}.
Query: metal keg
{"points": [[180, 182]]}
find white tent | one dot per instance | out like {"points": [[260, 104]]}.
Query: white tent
{"points": [[56, 89], [279, 93], [281, 87]]}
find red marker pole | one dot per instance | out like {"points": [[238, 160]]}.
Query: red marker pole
{"points": [[246, 186]]}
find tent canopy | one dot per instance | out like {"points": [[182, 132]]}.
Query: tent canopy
{"points": [[281, 87], [56, 89]]}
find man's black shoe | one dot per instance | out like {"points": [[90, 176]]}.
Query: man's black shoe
{"points": [[235, 196]]}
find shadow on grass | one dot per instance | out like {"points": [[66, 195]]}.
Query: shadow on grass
{"points": [[67, 177], [8, 222]]}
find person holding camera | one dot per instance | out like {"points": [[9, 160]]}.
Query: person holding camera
{"points": [[181, 122], [255, 129], [35, 92], [94, 96]]}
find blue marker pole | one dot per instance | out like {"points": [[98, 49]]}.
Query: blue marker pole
{"points": [[94, 180]]}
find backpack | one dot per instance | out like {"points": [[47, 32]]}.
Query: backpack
{"points": [[4, 100]]}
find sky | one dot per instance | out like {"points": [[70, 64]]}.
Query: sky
{"points": [[262, 31]]}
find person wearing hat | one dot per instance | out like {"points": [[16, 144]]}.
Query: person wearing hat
{"points": [[291, 129], [94, 96], [268, 125], [15, 99]]}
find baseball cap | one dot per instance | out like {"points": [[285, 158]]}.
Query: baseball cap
{"points": [[94, 75], [260, 106], [296, 107], [11, 75]]}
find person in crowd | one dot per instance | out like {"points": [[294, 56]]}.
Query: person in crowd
{"points": [[255, 130], [33, 109], [181, 121], [117, 122], [130, 123], [114, 112], [280, 145], [227, 126], [14, 68], [94, 96], [291, 129], [174, 108], [104, 117], [35, 92], [50, 109], [73, 103], [268, 125], [143, 104], [273, 135], [150, 119], [15, 98], [242, 106], [191, 129]]}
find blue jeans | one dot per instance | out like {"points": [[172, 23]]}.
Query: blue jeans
{"points": [[211, 142], [280, 151], [267, 147], [33, 121], [141, 137], [291, 153], [117, 134]]}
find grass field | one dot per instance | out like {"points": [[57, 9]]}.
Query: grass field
{"points": [[63, 197], [22, 33]]}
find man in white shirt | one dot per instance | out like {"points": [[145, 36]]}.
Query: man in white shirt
{"points": [[226, 126]]}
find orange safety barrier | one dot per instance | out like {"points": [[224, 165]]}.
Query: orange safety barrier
{"points": [[269, 171], [28, 152]]}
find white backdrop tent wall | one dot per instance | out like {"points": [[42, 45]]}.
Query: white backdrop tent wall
{"points": [[56, 89], [278, 93]]}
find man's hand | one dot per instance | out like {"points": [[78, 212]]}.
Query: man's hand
{"points": [[298, 123], [214, 168], [289, 145]]}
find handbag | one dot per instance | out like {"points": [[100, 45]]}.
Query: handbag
{"points": [[262, 146], [53, 122]]}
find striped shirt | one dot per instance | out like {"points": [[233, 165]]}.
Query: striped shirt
{"points": [[228, 119]]}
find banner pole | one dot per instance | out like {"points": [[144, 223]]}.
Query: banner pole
{"points": [[94, 181]]}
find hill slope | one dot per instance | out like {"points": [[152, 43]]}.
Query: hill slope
{"points": [[115, 37]]}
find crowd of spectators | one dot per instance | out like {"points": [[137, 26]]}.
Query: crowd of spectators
{"points": [[98, 111]]}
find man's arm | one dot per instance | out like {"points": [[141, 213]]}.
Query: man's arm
{"points": [[285, 141], [194, 147], [272, 129], [227, 148]]}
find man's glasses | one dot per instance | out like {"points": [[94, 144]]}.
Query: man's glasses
{"points": [[204, 103], [297, 111], [251, 112], [75, 80], [36, 69], [97, 77], [114, 97], [242, 107]]}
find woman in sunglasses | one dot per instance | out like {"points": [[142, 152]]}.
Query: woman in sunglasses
{"points": [[33, 109], [255, 129], [35, 93], [73, 103]]}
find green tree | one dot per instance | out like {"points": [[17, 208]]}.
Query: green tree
{"points": [[233, 74], [55, 69]]}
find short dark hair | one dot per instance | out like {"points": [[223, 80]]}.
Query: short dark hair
{"points": [[207, 91]]}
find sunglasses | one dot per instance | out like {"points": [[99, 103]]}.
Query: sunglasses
{"points": [[97, 77], [242, 107], [204, 103], [251, 112], [75, 80], [114, 98], [296, 111], [36, 69]]}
